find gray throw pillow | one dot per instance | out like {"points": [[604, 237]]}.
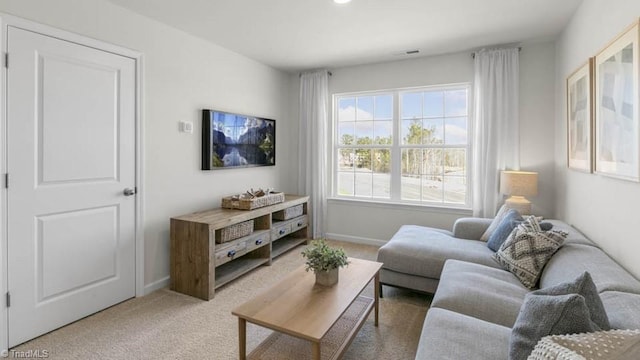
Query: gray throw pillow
{"points": [[542, 315], [510, 221], [582, 285], [527, 250], [494, 224]]}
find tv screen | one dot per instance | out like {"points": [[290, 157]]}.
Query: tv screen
{"points": [[234, 140]]}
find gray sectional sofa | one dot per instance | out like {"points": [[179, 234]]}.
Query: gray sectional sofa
{"points": [[475, 301]]}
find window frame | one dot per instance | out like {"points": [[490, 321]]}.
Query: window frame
{"points": [[396, 147]]}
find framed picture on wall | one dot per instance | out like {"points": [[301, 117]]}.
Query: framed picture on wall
{"points": [[580, 118], [616, 107]]}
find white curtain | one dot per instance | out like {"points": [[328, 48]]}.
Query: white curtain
{"points": [[496, 129], [312, 173]]}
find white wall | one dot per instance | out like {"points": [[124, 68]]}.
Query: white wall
{"points": [[377, 223], [605, 209], [183, 74]]}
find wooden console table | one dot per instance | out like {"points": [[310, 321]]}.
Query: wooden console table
{"points": [[199, 265]]}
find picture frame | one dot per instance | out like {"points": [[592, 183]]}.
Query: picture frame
{"points": [[617, 130], [580, 118]]}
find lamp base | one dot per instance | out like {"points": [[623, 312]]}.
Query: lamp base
{"points": [[520, 204]]}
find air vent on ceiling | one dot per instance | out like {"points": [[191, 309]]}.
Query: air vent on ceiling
{"points": [[406, 52]]}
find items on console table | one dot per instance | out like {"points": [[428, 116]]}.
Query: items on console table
{"points": [[253, 199], [213, 247]]}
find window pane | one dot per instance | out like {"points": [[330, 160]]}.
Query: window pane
{"points": [[412, 132], [364, 184], [410, 187], [456, 131], [346, 133], [411, 105], [382, 173], [363, 160], [384, 107], [455, 189], [364, 132], [432, 188], [432, 164], [455, 103], [411, 161], [455, 162], [433, 104], [365, 108], [433, 132], [383, 132], [346, 159], [345, 183], [347, 109], [381, 161]]}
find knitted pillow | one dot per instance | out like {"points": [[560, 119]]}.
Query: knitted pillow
{"points": [[613, 344], [527, 250]]}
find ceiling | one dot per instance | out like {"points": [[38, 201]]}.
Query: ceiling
{"points": [[295, 35]]}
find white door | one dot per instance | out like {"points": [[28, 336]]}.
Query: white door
{"points": [[70, 156]]}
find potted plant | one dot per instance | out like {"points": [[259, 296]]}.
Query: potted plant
{"points": [[324, 261]]}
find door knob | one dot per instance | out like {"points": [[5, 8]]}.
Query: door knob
{"points": [[129, 191]]}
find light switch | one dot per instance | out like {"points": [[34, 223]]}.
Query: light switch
{"points": [[186, 127]]}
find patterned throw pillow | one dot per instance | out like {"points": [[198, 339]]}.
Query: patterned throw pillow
{"points": [[613, 344], [527, 250]]}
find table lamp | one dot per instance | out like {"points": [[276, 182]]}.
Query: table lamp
{"points": [[518, 184]]}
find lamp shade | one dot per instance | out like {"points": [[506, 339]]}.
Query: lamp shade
{"points": [[519, 183]]}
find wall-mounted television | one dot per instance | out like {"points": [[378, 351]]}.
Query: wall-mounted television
{"points": [[234, 140]]}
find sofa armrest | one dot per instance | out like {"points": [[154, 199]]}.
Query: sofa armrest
{"points": [[470, 228]]}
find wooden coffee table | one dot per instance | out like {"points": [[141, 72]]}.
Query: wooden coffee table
{"points": [[298, 307]]}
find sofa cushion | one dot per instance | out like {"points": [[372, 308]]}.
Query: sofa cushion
{"points": [[527, 250], [506, 226], [623, 309], [573, 259], [612, 344], [543, 315], [583, 285], [573, 235], [470, 228], [447, 335], [419, 250], [483, 292]]}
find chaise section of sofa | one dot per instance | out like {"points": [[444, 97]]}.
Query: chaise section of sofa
{"points": [[415, 256]]}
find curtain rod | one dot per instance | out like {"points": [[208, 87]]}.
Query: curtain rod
{"points": [[328, 72], [473, 54]]}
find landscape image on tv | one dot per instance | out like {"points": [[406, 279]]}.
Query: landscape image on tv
{"points": [[234, 140]]}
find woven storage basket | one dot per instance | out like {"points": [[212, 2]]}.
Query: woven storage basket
{"points": [[288, 213], [234, 231], [233, 202]]}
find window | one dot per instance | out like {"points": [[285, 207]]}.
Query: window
{"points": [[404, 145]]}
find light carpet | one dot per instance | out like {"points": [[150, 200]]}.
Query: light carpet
{"points": [[170, 325]]}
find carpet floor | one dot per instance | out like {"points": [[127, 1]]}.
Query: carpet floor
{"points": [[170, 325]]}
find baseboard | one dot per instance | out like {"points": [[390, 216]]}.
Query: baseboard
{"points": [[156, 285], [355, 239]]}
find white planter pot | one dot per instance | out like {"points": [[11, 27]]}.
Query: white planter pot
{"points": [[327, 278]]}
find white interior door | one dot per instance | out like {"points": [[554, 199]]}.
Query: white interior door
{"points": [[70, 155]]}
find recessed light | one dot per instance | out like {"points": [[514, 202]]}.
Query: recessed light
{"points": [[341, 1]]}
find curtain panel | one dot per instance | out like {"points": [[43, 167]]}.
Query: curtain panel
{"points": [[312, 176], [496, 124]]}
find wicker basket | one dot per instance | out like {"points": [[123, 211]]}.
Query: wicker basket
{"points": [[234, 231], [288, 213], [234, 202]]}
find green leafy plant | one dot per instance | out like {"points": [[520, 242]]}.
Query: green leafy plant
{"points": [[322, 257]]}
